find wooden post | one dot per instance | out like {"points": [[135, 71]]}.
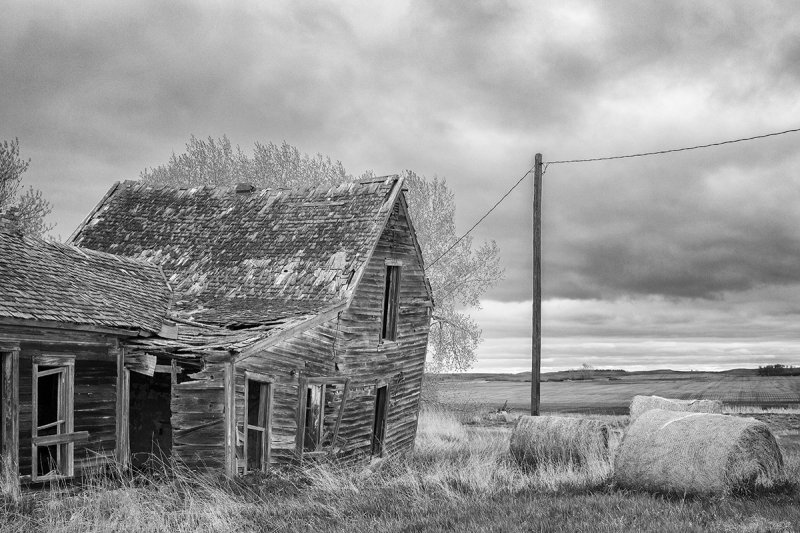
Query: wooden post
{"points": [[230, 418], [536, 344], [123, 449], [9, 466]]}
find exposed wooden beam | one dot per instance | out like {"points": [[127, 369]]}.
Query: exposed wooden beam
{"points": [[54, 324]]}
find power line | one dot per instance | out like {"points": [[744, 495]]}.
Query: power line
{"points": [[481, 219], [673, 149], [643, 154]]}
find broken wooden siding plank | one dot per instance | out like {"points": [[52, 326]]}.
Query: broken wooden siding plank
{"points": [[141, 362]]}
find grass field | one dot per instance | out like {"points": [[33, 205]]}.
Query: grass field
{"points": [[457, 479], [612, 396]]}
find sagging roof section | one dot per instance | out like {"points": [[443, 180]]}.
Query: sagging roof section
{"points": [[236, 259], [50, 281]]}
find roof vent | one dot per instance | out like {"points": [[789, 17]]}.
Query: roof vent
{"points": [[245, 188]]}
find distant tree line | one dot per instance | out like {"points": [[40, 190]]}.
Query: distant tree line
{"points": [[778, 370]]}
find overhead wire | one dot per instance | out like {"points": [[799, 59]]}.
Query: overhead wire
{"points": [[482, 218], [659, 152], [608, 158]]}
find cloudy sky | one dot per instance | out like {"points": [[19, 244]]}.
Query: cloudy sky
{"points": [[689, 260]]}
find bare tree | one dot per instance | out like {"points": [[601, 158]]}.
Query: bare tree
{"points": [[30, 206]]}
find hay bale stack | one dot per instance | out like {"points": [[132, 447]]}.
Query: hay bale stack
{"points": [[697, 453], [551, 440], [642, 404]]}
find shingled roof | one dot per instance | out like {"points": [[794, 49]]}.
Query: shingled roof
{"points": [[41, 280], [245, 258]]}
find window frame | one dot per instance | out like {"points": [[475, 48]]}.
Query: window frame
{"points": [[304, 385], [266, 395], [319, 422], [65, 437], [390, 304], [378, 445]]}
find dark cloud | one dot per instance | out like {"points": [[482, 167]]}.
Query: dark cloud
{"points": [[467, 91], [699, 234]]}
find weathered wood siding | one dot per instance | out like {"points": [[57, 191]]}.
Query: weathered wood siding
{"points": [[198, 422], [94, 400], [398, 364], [350, 346]]}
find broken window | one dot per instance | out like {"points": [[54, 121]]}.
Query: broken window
{"points": [[379, 420], [315, 417], [391, 296], [52, 428], [257, 419], [322, 403]]}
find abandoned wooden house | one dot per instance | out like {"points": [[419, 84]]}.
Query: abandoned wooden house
{"points": [[64, 315], [298, 323]]}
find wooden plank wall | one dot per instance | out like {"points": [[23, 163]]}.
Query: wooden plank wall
{"points": [[350, 347], [198, 422], [399, 364], [95, 410], [94, 401]]}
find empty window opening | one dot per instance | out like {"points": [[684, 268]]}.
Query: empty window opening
{"points": [[257, 416], [379, 420], [391, 296], [314, 417], [50, 417], [52, 421], [322, 406], [149, 419]]}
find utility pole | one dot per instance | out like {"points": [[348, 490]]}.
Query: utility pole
{"points": [[536, 334]]}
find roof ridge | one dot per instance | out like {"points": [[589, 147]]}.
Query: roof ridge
{"points": [[139, 184], [88, 252]]}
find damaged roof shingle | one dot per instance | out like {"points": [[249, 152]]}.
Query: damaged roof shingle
{"points": [[43, 280], [234, 258]]}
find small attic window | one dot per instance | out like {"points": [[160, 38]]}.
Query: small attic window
{"points": [[391, 297]]}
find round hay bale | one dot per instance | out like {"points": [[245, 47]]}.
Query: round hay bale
{"points": [[641, 404], [697, 453], [549, 440]]}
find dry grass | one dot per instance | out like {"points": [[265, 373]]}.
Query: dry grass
{"points": [[449, 454], [458, 479]]}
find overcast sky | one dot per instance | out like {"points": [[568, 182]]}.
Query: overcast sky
{"points": [[689, 260]]}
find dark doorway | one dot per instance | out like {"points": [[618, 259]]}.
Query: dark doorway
{"points": [[379, 422], [150, 427]]}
